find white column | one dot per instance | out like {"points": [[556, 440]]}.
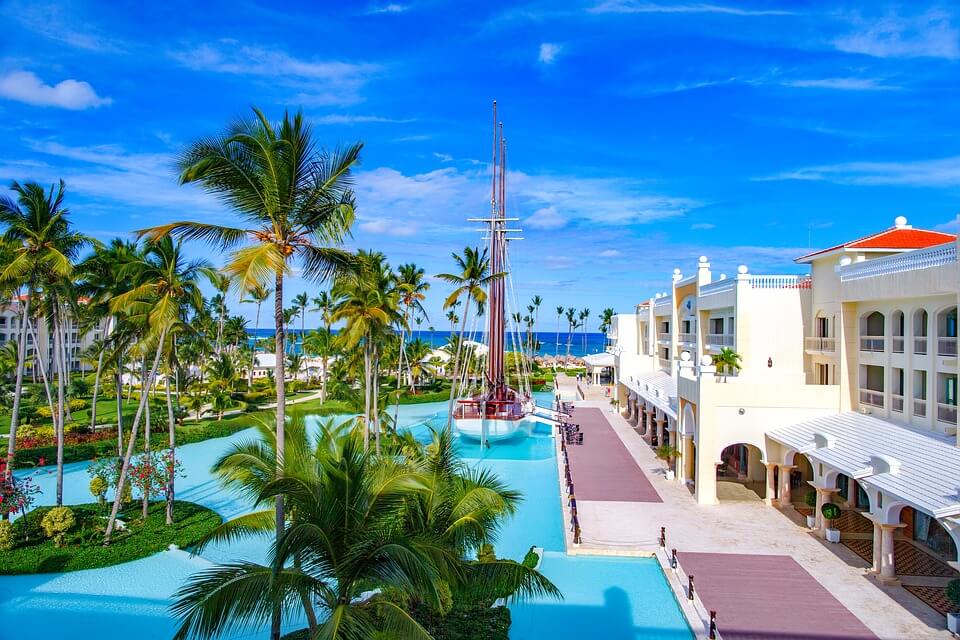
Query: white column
{"points": [[877, 543], [771, 484], [786, 491], [888, 563]]}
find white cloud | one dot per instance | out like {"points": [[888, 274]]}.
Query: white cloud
{"points": [[318, 82], [393, 7], [635, 6], [546, 218], [443, 157], [54, 22], [381, 225], [702, 226], [549, 52], [928, 35], [25, 86], [842, 84], [610, 253], [944, 172], [345, 118]]}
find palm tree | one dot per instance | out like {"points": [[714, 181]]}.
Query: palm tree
{"points": [[164, 282], [606, 319], [221, 281], [584, 315], [325, 303], [412, 285], [40, 247], [258, 295], [300, 302], [474, 274], [298, 201], [728, 361], [560, 311], [571, 322]]}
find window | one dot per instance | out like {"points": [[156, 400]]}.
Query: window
{"points": [[716, 325], [687, 326], [823, 327], [665, 326], [897, 381], [920, 384]]}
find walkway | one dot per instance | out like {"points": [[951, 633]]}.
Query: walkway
{"points": [[602, 468], [784, 600], [749, 528]]}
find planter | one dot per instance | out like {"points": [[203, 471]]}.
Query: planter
{"points": [[811, 522], [669, 474], [833, 535], [953, 623]]}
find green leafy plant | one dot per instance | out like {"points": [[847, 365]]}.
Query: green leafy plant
{"points": [[953, 592], [830, 512], [531, 559], [810, 499], [667, 452], [486, 553], [6, 535], [98, 487], [56, 523]]}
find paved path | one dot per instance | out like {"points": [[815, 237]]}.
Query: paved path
{"points": [[751, 528], [758, 596], [602, 468]]}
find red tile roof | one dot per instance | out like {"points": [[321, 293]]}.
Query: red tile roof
{"points": [[894, 239]]}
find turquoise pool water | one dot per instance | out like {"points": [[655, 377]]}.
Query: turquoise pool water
{"points": [[615, 599]]}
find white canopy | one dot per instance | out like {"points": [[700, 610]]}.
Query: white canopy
{"points": [[599, 360]]}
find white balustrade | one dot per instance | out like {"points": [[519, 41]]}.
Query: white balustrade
{"points": [[896, 403], [871, 343], [820, 344], [919, 407], [780, 282], [909, 261], [871, 397], [720, 339], [947, 413], [947, 346], [920, 345]]}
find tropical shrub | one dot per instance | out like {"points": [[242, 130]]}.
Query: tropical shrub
{"points": [[810, 499], [667, 452], [531, 559], [44, 412], [16, 494], [56, 523], [79, 387], [6, 535], [78, 404], [98, 487], [76, 428], [830, 512]]}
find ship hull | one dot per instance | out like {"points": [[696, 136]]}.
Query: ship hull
{"points": [[495, 429]]}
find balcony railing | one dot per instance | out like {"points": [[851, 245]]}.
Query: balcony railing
{"points": [[689, 338], [897, 344], [664, 363], [920, 345], [871, 397], [780, 282], [896, 403], [822, 345], [720, 339], [947, 346], [871, 343], [909, 261], [947, 413], [663, 336], [920, 407]]}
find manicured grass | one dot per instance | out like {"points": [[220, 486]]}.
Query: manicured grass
{"points": [[83, 547]]}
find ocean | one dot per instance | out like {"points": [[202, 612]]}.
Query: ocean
{"points": [[580, 344]]}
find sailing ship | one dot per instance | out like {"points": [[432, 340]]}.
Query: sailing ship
{"points": [[495, 410]]}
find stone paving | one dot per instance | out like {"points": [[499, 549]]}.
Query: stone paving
{"points": [[745, 528]]}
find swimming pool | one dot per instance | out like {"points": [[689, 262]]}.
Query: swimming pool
{"points": [[612, 598]]}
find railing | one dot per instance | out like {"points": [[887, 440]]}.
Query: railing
{"points": [[896, 403], [947, 413], [947, 346], [871, 343], [690, 338], [920, 407], [910, 261], [663, 337], [897, 344], [823, 345], [920, 345], [780, 282], [720, 339], [871, 397], [664, 363]]}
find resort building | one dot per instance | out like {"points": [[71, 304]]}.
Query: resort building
{"points": [[40, 341], [841, 382]]}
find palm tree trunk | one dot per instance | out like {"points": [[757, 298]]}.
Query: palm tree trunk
{"points": [[64, 330], [326, 350], [171, 463], [119, 387], [456, 364], [145, 391], [125, 467], [376, 399], [58, 424], [253, 358], [43, 372], [558, 335], [18, 385], [96, 379], [279, 348], [366, 393]]}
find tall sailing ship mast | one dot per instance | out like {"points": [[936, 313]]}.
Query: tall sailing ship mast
{"points": [[496, 411]]}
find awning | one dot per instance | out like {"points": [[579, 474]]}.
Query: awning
{"points": [[599, 360], [918, 467], [658, 388]]}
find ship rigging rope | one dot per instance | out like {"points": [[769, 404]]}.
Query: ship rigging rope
{"points": [[519, 356]]}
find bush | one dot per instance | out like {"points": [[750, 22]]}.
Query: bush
{"points": [[830, 511], [6, 535], [56, 523], [98, 487], [76, 428], [44, 412], [79, 387], [78, 404], [531, 559], [811, 499]]}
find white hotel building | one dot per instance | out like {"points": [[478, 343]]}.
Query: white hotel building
{"points": [[848, 386]]}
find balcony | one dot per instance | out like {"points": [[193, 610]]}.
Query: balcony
{"points": [[720, 339], [899, 263], [947, 346], [871, 397], [920, 345], [947, 413], [663, 336], [817, 344], [687, 338], [665, 363], [897, 344], [896, 403], [920, 407], [871, 343]]}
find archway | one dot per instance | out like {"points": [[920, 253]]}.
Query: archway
{"points": [[800, 477], [928, 534], [741, 474]]}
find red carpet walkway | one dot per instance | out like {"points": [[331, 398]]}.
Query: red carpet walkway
{"points": [[602, 468], [768, 597]]}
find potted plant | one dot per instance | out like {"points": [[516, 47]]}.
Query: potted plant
{"points": [[727, 362], [667, 453], [953, 595], [811, 501], [831, 512]]}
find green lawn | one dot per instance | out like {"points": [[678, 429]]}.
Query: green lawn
{"points": [[83, 548]]}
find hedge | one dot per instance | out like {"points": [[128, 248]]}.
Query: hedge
{"points": [[83, 549]]}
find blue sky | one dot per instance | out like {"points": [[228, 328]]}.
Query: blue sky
{"points": [[641, 134]]}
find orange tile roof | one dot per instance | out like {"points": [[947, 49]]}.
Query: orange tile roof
{"points": [[894, 239]]}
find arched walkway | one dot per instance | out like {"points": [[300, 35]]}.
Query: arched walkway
{"points": [[741, 475]]}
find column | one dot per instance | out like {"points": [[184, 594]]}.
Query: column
{"points": [[688, 458], [877, 542], [851, 494], [672, 435], [823, 497], [786, 491], [771, 490], [648, 426], [660, 422], [888, 564]]}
